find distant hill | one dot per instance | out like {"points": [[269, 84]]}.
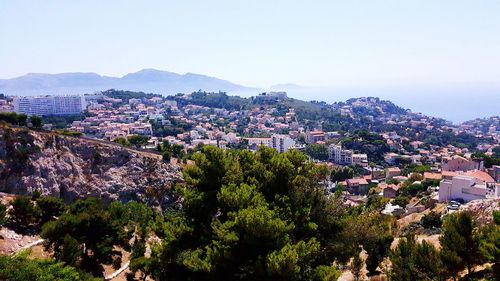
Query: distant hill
{"points": [[146, 80]]}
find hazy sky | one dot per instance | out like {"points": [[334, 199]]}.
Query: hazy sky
{"points": [[258, 43]]}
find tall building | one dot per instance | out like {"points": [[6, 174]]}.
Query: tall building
{"points": [[49, 105], [282, 143], [339, 155]]}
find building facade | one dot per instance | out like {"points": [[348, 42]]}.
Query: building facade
{"points": [[466, 188], [49, 105], [282, 143], [339, 155]]}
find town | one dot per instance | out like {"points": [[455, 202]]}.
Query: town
{"points": [[398, 164]]}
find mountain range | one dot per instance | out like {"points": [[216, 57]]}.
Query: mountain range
{"points": [[456, 102], [146, 80]]}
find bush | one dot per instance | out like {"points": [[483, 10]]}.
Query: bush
{"points": [[431, 220], [401, 201], [24, 212], [3, 214]]}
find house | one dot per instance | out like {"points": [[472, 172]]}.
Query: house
{"points": [[392, 172], [495, 173], [390, 158], [391, 191], [394, 210], [315, 136], [459, 163], [428, 176], [466, 188], [357, 186]]}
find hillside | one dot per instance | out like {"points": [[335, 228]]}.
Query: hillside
{"points": [[147, 80], [72, 168]]}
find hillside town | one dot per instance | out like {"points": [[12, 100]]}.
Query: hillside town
{"points": [[447, 172], [406, 165]]}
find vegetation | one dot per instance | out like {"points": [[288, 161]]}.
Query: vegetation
{"points": [[247, 216], [214, 100], [460, 244], [24, 212], [134, 140], [244, 217], [20, 267], [341, 173], [62, 121], [317, 151], [69, 133], [14, 118], [36, 122], [412, 261], [125, 96], [431, 220], [3, 214]]}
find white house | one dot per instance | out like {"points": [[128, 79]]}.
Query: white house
{"points": [[466, 188]]}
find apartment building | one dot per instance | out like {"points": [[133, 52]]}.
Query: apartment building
{"points": [[360, 159], [254, 143], [282, 143], [49, 105], [339, 155]]}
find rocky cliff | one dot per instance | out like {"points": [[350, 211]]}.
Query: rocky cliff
{"points": [[72, 167]]}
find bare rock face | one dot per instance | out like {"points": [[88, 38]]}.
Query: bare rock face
{"points": [[71, 168]]}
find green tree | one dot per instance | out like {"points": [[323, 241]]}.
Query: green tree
{"points": [[250, 216], [431, 220], [166, 156], [356, 267], [89, 224], [341, 173], [50, 208], [19, 267], [3, 214], [412, 261], [317, 151], [137, 140], [489, 246], [36, 121], [24, 212], [122, 141], [71, 250], [460, 245]]}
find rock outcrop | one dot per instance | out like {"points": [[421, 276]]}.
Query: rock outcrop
{"points": [[74, 167]]}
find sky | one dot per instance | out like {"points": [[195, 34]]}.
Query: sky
{"points": [[258, 43]]}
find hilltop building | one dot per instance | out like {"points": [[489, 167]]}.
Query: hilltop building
{"points": [[459, 163], [49, 105]]}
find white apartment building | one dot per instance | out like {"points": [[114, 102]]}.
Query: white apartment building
{"points": [[339, 155], [467, 189], [256, 142], [49, 105], [282, 143], [360, 159]]}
